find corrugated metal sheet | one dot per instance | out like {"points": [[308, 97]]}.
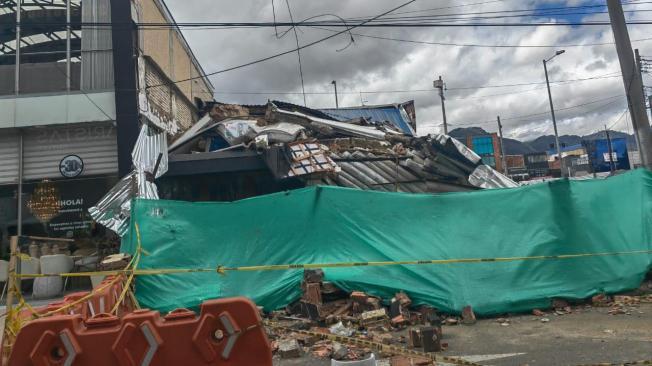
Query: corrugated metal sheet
{"points": [[8, 156], [394, 114], [151, 144], [97, 53], [94, 143], [114, 209]]}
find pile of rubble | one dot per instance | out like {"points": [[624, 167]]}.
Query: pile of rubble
{"points": [[331, 323], [306, 144], [328, 322]]}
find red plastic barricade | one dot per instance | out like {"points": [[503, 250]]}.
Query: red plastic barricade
{"points": [[227, 332], [102, 301]]}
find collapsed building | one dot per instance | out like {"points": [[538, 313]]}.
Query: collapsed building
{"points": [[283, 146], [240, 151]]}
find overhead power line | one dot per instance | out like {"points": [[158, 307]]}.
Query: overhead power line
{"points": [[368, 24], [605, 76], [421, 20], [543, 11], [286, 52], [543, 113], [457, 44], [618, 119]]}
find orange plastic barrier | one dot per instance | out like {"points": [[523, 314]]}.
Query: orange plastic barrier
{"points": [[227, 332]]}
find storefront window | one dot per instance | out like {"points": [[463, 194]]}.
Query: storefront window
{"points": [[58, 209]]}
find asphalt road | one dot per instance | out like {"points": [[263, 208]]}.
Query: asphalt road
{"points": [[588, 335]]}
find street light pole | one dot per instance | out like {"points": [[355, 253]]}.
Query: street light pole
{"points": [[552, 111], [439, 84], [335, 85], [502, 148]]}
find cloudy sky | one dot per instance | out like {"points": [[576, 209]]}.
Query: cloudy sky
{"points": [[378, 71]]}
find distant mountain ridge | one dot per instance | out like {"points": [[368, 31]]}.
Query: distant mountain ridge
{"points": [[541, 143]]}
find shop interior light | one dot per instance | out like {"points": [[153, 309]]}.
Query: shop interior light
{"points": [[45, 202]]}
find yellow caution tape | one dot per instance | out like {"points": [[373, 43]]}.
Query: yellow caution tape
{"points": [[24, 257], [134, 265], [223, 270], [281, 267], [376, 345]]}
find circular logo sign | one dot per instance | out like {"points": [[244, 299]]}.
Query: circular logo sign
{"points": [[71, 166]]}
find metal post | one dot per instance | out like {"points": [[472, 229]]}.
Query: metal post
{"points": [[439, 84], [19, 4], [68, 52], [612, 166], [632, 82], [502, 149], [335, 85], [19, 199], [554, 121], [11, 278]]}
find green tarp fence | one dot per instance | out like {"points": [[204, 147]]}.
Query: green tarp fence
{"points": [[331, 224]]}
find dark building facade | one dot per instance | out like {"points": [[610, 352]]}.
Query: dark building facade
{"points": [[537, 164]]}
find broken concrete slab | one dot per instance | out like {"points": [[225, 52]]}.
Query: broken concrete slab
{"points": [[289, 348]]}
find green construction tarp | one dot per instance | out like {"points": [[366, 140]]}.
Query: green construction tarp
{"points": [[331, 224]]}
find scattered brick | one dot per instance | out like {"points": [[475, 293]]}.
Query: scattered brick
{"points": [[468, 316]]}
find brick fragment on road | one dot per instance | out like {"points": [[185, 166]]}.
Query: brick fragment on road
{"points": [[468, 316], [289, 348]]}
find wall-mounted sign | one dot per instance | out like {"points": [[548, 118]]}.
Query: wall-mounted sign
{"points": [[614, 157], [71, 166]]}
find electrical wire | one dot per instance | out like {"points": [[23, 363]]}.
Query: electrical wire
{"points": [[537, 10], [296, 38], [285, 52], [618, 119], [604, 76], [522, 117], [417, 20], [227, 25], [403, 40]]}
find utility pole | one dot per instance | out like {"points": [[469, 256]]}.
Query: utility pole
{"points": [[612, 167], [632, 81], [439, 84], [639, 67], [502, 149], [552, 112], [335, 85]]}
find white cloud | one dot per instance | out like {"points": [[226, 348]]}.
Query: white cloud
{"points": [[372, 64]]}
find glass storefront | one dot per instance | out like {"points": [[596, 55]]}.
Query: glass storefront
{"points": [[57, 208]]}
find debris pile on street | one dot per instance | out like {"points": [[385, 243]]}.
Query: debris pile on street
{"points": [[325, 312], [330, 323]]}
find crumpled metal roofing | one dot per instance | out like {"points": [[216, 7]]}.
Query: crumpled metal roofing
{"points": [[151, 144], [485, 176], [362, 131], [393, 113], [114, 209], [440, 164], [367, 170]]}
